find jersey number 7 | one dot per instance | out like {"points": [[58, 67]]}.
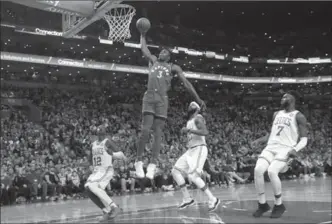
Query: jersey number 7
{"points": [[280, 130]]}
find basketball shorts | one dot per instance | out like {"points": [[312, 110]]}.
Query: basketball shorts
{"points": [[275, 152], [155, 104], [192, 160], [101, 177]]}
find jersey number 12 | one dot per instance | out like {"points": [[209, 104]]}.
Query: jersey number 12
{"points": [[96, 161]]}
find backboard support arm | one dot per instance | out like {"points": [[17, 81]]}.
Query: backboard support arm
{"points": [[73, 24]]}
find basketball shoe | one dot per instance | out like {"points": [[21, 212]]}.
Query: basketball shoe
{"points": [[151, 169], [262, 208], [139, 169], [186, 203], [277, 211], [213, 205], [108, 216]]}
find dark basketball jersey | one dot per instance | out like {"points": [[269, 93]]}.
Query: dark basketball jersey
{"points": [[160, 76]]}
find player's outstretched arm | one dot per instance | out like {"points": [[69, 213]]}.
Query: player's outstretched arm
{"points": [[145, 50], [177, 69]]}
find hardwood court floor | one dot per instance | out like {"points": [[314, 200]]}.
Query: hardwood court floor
{"points": [[306, 201]]}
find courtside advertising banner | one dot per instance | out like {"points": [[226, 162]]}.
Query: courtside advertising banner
{"points": [[47, 60]]}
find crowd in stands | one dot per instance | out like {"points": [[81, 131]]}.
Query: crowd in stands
{"points": [[43, 160]]}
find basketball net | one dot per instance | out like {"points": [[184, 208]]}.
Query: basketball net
{"points": [[119, 19]]}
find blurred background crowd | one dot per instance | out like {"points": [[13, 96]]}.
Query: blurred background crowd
{"points": [[49, 113], [43, 159]]}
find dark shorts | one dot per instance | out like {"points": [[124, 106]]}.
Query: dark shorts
{"points": [[154, 103]]}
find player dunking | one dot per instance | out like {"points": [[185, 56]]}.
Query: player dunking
{"points": [[289, 125], [155, 103], [103, 151], [191, 163]]}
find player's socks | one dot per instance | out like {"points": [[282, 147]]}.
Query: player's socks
{"points": [[185, 192], [261, 198], [276, 184], [201, 185], [207, 191], [277, 199], [101, 194], [114, 212], [187, 199], [150, 171], [139, 169], [106, 210]]}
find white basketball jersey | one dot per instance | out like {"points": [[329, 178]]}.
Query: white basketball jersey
{"points": [[284, 129], [100, 157], [194, 140]]}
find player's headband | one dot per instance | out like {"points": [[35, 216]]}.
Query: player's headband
{"points": [[194, 105]]}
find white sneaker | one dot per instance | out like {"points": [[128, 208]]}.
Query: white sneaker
{"points": [[151, 169], [213, 205], [139, 169]]}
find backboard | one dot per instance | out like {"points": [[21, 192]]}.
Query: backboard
{"points": [[76, 15]]}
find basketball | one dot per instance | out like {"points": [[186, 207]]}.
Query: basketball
{"points": [[143, 25]]}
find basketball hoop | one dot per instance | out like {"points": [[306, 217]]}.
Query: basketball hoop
{"points": [[119, 19]]}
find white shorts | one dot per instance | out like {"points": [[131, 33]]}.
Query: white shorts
{"points": [[101, 177], [192, 160], [275, 152]]}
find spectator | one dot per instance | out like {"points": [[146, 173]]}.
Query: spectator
{"points": [[21, 185], [34, 177], [74, 184], [50, 184], [8, 196], [125, 180]]}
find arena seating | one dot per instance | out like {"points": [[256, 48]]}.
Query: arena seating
{"points": [[60, 143]]}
